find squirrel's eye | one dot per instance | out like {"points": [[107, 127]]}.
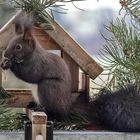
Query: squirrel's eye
{"points": [[18, 47]]}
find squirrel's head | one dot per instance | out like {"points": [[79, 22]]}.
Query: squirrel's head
{"points": [[21, 46]]}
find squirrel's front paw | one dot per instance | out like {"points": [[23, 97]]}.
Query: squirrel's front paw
{"points": [[6, 63]]}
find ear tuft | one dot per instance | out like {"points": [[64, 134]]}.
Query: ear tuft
{"points": [[18, 27], [23, 24]]}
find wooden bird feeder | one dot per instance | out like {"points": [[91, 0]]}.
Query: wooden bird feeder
{"points": [[54, 40]]}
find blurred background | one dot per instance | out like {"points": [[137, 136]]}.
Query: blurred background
{"points": [[84, 23]]}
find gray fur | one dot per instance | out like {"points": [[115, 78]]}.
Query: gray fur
{"points": [[35, 65]]}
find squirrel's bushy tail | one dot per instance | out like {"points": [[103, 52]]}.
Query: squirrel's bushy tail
{"points": [[117, 111]]}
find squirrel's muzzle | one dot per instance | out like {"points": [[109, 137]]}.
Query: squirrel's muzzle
{"points": [[6, 63]]}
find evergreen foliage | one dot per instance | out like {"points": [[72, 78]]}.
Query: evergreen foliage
{"points": [[9, 118], [121, 54], [133, 8], [71, 122], [42, 10]]}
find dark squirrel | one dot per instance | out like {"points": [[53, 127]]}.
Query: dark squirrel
{"points": [[118, 111], [33, 64]]}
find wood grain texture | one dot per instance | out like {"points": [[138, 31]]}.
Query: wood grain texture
{"points": [[86, 85], [44, 39], [73, 49], [39, 120], [74, 70], [21, 98]]}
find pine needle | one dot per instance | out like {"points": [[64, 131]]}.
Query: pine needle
{"points": [[121, 54], [39, 9]]}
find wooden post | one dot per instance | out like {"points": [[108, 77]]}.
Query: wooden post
{"points": [[86, 85], [74, 70], [0, 77], [39, 120]]}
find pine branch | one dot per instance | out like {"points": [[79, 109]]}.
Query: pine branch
{"points": [[9, 118], [71, 122], [39, 9], [132, 7], [121, 54]]}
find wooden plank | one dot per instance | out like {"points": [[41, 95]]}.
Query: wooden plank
{"points": [[38, 117], [74, 70], [86, 84], [73, 49], [21, 98], [39, 120], [44, 39]]}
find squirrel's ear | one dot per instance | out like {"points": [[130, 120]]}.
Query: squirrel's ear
{"points": [[18, 28], [27, 35]]}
